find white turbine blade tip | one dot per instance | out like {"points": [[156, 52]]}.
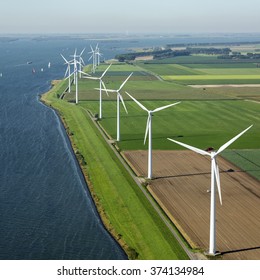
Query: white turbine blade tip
{"points": [[125, 81], [147, 128], [137, 102], [223, 147], [164, 107], [122, 100], [197, 150], [105, 71], [216, 173]]}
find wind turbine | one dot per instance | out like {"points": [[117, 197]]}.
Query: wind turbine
{"points": [[76, 72], [81, 62], [119, 98], [149, 129], [93, 56], [69, 63], [101, 83], [98, 55], [215, 177]]}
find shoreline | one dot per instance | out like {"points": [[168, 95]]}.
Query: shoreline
{"points": [[99, 208]]}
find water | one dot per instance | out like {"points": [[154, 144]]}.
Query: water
{"points": [[46, 211]]}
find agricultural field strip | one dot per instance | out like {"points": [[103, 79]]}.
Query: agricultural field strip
{"points": [[211, 77], [174, 176]]}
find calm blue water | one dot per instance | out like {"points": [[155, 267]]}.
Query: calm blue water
{"points": [[45, 209]]}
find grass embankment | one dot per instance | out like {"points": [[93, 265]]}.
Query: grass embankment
{"points": [[123, 207]]}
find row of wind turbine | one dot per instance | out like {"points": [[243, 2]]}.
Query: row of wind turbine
{"points": [[215, 174], [95, 56], [77, 62]]}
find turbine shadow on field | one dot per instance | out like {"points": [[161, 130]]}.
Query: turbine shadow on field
{"points": [[240, 250], [183, 175], [196, 174], [142, 139]]}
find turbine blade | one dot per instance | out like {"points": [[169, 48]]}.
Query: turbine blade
{"points": [[137, 102], [216, 171], [105, 71], [199, 151], [104, 87], [164, 107], [107, 90], [125, 81], [64, 59], [222, 148], [122, 100], [82, 62], [71, 75], [82, 52], [147, 128], [84, 73], [67, 70], [90, 77]]}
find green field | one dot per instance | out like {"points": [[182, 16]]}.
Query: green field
{"points": [[247, 160], [204, 70], [199, 123]]}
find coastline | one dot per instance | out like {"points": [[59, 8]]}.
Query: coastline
{"points": [[130, 253]]}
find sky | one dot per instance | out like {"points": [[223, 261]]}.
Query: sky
{"points": [[135, 16]]}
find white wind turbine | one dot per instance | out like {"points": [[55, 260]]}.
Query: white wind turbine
{"points": [[69, 63], [119, 98], [81, 62], [93, 56], [149, 129], [215, 177], [75, 73], [101, 83], [98, 54]]}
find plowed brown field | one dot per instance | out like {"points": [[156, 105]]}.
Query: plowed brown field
{"points": [[181, 187]]}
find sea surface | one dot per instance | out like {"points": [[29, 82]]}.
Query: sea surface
{"points": [[46, 211]]}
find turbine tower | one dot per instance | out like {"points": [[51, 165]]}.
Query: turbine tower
{"points": [[119, 98], [215, 177], [101, 83], [149, 130]]}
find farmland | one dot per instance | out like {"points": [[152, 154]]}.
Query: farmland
{"points": [[181, 184], [200, 123], [206, 117]]}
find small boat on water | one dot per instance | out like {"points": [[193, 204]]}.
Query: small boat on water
{"points": [[1, 75], [29, 62], [33, 71], [49, 65]]}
